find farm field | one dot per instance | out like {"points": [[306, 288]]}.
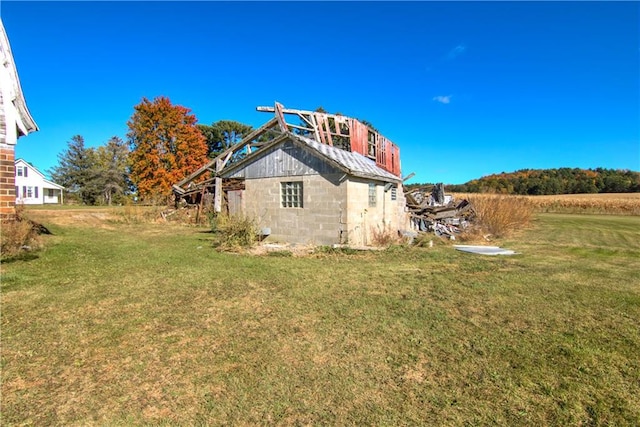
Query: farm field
{"points": [[136, 323], [603, 203]]}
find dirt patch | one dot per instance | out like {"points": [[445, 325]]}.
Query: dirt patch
{"points": [[281, 248]]}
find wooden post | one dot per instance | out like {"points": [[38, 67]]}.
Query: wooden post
{"points": [[200, 207], [217, 195]]}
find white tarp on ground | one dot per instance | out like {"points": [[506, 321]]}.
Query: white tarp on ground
{"points": [[484, 250]]}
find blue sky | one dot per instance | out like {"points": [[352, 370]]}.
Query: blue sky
{"points": [[465, 89]]}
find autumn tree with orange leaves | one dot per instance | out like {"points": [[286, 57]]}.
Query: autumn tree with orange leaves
{"points": [[166, 146]]}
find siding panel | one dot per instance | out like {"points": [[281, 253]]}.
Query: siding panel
{"points": [[285, 160]]}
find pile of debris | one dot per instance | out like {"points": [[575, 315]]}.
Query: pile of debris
{"points": [[438, 213]]}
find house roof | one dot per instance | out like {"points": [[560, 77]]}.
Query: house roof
{"points": [[33, 168], [26, 123], [351, 163]]}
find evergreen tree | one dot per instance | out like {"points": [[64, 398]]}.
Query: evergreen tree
{"points": [[74, 170], [223, 134], [110, 170]]}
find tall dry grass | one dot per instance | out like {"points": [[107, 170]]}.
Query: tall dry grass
{"points": [[602, 204], [18, 235], [612, 203], [500, 215], [384, 236]]}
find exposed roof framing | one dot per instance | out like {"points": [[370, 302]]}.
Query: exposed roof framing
{"points": [[340, 131], [315, 129]]}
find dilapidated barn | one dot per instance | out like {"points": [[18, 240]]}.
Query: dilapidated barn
{"points": [[327, 179]]}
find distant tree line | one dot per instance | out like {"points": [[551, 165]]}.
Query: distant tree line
{"points": [[552, 181]]}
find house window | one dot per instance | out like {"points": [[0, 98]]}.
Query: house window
{"points": [[50, 191], [372, 195], [394, 194], [291, 194], [29, 192], [19, 170]]}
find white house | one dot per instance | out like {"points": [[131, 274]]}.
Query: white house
{"points": [[32, 188]]}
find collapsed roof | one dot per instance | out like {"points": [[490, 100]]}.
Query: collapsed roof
{"points": [[344, 141]]}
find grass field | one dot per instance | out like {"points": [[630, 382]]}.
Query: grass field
{"points": [[145, 324]]}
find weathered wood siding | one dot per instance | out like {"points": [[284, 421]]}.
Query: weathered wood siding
{"points": [[286, 159]]}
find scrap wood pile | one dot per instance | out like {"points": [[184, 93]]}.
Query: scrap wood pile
{"points": [[438, 213]]}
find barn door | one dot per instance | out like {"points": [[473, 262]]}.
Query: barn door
{"points": [[236, 202]]}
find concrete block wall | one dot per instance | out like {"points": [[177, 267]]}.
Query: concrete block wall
{"points": [[363, 221], [321, 220]]}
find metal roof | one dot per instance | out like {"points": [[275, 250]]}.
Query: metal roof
{"points": [[353, 163]]}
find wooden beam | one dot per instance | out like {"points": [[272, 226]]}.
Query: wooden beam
{"points": [[411, 175], [284, 110], [302, 116], [246, 140], [300, 127], [222, 163], [280, 116]]}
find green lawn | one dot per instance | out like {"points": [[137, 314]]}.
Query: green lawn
{"points": [[133, 324]]}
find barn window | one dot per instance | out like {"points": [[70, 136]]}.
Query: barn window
{"points": [[291, 194], [371, 144], [372, 195], [394, 193]]}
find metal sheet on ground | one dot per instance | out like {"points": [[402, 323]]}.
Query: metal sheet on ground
{"points": [[484, 250]]}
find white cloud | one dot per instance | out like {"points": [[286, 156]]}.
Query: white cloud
{"points": [[443, 99], [456, 51]]}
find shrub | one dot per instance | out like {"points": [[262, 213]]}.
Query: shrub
{"points": [[500, 215], [382, 236], [234, 232], [18, 236]]}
